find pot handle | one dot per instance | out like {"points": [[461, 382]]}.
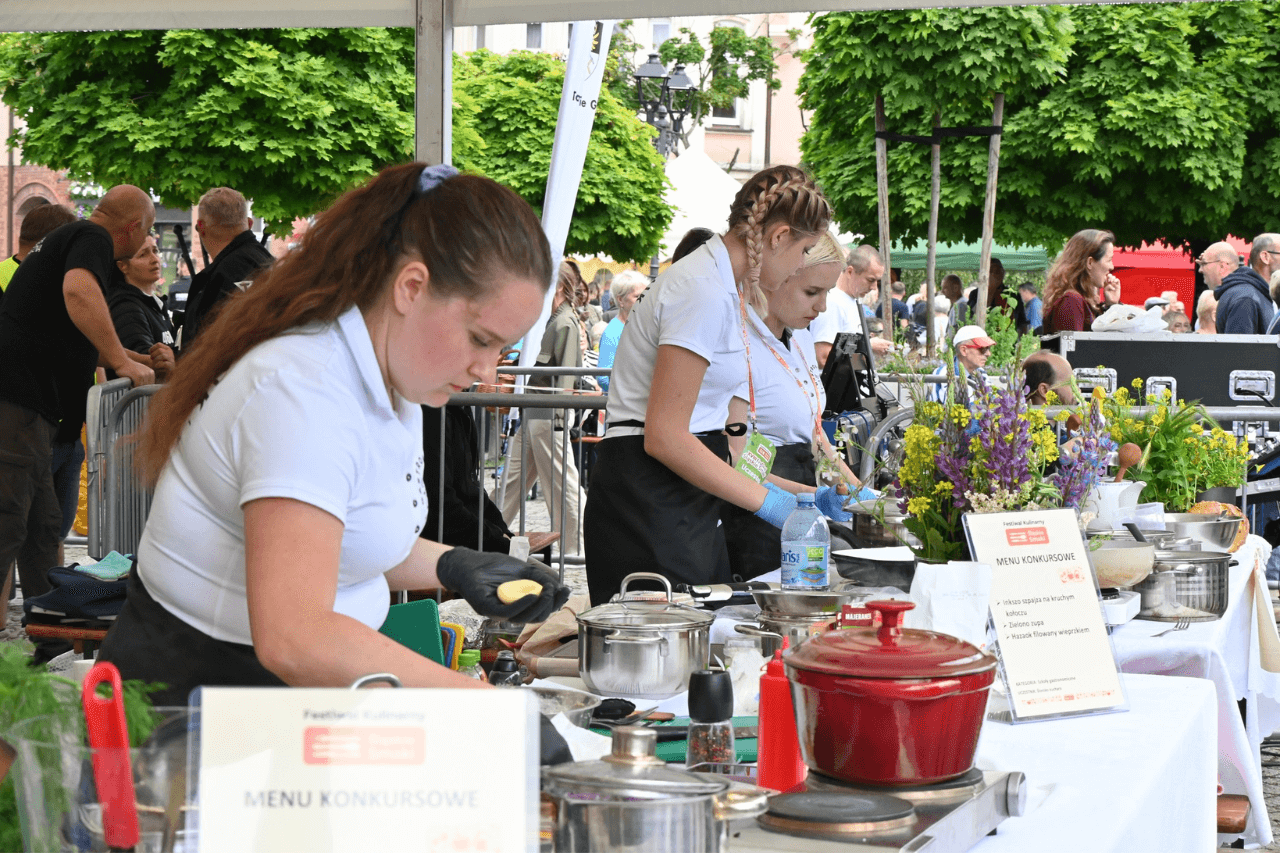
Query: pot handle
{"points": [[755, 631], [652, 576], [898, 690], [619, 636], [891, 612]]}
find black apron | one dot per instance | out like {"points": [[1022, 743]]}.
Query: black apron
{"points": [[149, 643], [643, 517], [755, 545]]}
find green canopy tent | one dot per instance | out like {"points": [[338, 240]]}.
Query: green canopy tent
{"points": [[964, 256]]}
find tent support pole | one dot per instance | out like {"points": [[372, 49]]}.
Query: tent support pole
{"points": [[433, 81]]}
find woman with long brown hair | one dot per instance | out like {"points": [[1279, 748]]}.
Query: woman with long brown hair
{"points": [[1080, 284], [661, 471], [287, 449]]}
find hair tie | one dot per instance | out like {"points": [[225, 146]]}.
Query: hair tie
{"points": [[432, 176]]}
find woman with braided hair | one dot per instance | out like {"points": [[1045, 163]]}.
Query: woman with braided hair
{"points": [[661, 472], [287, 454]]}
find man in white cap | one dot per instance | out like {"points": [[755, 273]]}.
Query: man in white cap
{"points": [[970, 349]]}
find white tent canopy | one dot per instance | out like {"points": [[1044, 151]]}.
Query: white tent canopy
{"points": [[701, 193]]}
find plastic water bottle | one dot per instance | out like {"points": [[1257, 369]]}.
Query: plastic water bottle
{"points": [[806, 546]]}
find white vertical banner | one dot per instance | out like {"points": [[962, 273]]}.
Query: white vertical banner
{"points": [[588, 48]]}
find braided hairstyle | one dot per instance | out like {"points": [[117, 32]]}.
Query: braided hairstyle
{"points": [[778, 194]]}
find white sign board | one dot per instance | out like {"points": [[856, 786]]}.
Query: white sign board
{"points": [[1056, 656], [382, 769]]}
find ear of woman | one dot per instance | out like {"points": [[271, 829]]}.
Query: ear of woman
{"points": [[411, 283]]}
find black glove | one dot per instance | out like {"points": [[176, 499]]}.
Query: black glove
{"points": [[476, 576], [554, 750]]}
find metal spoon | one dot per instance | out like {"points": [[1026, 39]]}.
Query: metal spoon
{"points": [[1137, 534]]}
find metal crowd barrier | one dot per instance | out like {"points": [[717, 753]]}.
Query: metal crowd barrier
{"points": [[117, 501]]}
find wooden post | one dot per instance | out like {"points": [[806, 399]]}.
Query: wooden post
{"points": [[882, 190], [931, 262], [989, 212]]}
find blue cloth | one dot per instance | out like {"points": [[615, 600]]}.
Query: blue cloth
{"points": [[1035, 312], [609, 348], [1244, 303]]}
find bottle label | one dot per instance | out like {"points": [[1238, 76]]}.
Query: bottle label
{"points": [[804, 566]]}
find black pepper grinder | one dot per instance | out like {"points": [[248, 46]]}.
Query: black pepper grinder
{"points": [[710, 718], [506, 671]]}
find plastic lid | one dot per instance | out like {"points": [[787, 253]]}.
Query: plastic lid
{"points": [[805, 498], [645, 614], [889, 651], [710, 695], [468, 657], [631, 771], [505, 662]]}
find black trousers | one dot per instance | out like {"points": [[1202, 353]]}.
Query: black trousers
{"points": [[755, 545], [643, 517], [149, 643]]}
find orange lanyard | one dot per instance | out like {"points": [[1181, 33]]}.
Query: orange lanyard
{"points": [[809, 394]]}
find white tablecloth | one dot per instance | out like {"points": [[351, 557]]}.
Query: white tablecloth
{"points": [[1226, 653], [1140, 781]]}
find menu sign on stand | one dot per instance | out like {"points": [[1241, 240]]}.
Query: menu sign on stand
{"points": [[1056, 657], [337, 770]]}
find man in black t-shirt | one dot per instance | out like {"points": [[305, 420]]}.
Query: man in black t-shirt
{"points": [[55, 328]]}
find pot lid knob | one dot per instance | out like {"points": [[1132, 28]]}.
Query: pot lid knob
{"points": [[890, 619], [634, 745]]}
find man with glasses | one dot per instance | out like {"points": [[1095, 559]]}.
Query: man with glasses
{"points": [[970, 350], [1243, 293]]}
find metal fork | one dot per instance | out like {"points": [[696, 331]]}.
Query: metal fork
{"points": [[1181, 625]]}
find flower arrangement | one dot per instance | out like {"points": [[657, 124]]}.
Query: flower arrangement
{"points": [[1180, 456], [995, 455]]}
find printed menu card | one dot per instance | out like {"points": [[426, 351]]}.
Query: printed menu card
{"points": [[1056, 656]]}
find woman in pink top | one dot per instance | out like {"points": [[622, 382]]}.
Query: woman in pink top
{"points": [[1080, 285]]}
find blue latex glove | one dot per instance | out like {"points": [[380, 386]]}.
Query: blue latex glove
{"points": [[865, 495], [778, 504], [831, 503]]}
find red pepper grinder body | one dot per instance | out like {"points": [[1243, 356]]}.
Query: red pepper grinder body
{"points": [[780, 765]]}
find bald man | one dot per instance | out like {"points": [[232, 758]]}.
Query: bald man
{"points": [[1045, 372], [55, 328], [1243, 292]]}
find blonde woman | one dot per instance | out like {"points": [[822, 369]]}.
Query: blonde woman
{"points": [[789, 404], [661, 471]]}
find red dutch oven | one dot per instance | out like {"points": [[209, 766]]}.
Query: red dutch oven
{"points": [[887, 705]]}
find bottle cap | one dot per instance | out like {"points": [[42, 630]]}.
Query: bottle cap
{"points": [[505, 662], [804, 498], [468, 658], [710, 696]]}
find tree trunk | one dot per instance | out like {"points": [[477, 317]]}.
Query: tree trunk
{"points": [[931, 262], [882, 190], [989, 212]]}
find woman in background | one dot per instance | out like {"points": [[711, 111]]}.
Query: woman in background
{"points": [[1080, 285]]}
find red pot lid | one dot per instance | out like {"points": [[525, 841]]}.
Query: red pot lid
{"points": [[889, 651]]}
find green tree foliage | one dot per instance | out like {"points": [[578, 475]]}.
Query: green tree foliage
{"points": [[723, 70], [921, 60], [513, 103], [294, 117], [290, 117], [1162, 126]]}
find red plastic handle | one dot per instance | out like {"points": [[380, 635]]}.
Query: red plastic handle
{"points": [[890, 619], [109, 739]]}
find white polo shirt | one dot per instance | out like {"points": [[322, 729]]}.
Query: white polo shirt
{"points": [[693, 305], [787, 390], [843, 314], [304, 416]]}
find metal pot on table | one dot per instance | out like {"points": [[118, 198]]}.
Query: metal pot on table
{"points": [[795, 615], [633, 801], [642, 649], [1188, 585]]}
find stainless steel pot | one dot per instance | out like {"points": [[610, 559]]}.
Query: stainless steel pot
{"points": [[642, 649], [773, 627], [1201, 580], [632, 801]]}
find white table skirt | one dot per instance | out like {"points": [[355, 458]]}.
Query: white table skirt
{"points": [[1226, 653], [1139, 781]]}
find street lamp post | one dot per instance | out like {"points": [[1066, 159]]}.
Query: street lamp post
{"points": [[665, 99]]}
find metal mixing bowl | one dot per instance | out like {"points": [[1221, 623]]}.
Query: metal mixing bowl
{"points": [[576, 706], [798, 602], [1214, 531]]}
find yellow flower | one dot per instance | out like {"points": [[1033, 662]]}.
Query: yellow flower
{"points": [[1098, 394], [1062, 416], [1136, 383], [918, 506]]}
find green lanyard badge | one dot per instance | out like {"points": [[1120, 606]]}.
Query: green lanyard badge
{"points": [[757, 457]]}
